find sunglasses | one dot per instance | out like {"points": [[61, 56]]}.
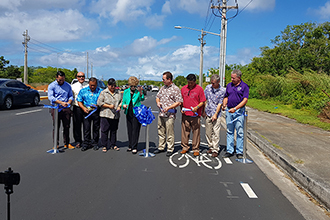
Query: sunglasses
{"points": [[81, 76]]}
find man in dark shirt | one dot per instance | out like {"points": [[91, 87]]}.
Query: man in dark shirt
{"points": [[236, 97]]}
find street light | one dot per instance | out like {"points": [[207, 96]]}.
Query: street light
{"points": [[203, 33]]}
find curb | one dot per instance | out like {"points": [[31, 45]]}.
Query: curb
{"points": [[320, 192]]}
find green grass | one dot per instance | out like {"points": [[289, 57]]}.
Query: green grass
{"points": [[301, 115]]}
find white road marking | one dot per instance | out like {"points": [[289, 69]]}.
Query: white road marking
{"points": [[227, 160], [28, 112], [248, 190]]}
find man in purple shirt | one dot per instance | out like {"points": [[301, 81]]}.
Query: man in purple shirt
{"points": [[214, 94], [236, 97], [60, 93]]}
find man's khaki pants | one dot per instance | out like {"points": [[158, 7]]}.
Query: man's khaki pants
{"points": [[212, 133], [166, 128], [187, 124]]}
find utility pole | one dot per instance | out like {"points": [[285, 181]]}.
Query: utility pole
{"points": [[201, 39], [26, 40], [91, 69], [87, 64], [223, 38]]}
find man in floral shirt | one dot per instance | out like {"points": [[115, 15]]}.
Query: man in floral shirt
{"points": [[214, 94], [87, 101], [168, 98]]}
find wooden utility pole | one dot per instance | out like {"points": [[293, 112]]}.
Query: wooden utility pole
{"points": [[223, 38], [26, 40], [201, 39]]}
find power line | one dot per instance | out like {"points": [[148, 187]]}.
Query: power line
{"points": [[53, 48]]}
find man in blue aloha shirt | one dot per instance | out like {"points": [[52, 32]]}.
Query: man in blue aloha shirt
{"points": [[87, 101], [214, 94]]}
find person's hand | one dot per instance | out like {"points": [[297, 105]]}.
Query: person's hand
{"points": [[224, 107], [86, 110], [232, 110], [65, 104], [140, 88], [195, 109], [118, 108], [124, 106], [214, 117], [165, 109], [159, 105], [111, 106]]}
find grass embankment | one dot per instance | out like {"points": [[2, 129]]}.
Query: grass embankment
{"points": [[301, 115]]}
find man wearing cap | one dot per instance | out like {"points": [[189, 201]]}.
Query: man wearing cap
{"points": [[168, 98], [60, 93], [214, 94], [78, 116], [193, 102], [236, 97]]}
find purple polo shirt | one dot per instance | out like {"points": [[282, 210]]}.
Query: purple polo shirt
{"points": [[236, 94]]}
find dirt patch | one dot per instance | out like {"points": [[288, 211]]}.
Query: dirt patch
{"points": [[325, 114], [44, 87], [30, 86]]}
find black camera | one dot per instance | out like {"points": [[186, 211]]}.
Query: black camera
{"points": [[9, 178]]}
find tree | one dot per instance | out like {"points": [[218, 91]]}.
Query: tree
{"points": [[180, 81], [301, 47]]}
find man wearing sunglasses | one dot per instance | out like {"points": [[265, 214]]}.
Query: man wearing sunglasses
{"points": [[78, 116]]}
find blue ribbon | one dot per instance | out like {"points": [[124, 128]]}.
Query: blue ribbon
{"points": [[94, 110], [190, 110], [170, 110], [59, 107]]}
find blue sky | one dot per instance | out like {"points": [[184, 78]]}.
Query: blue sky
{"points": [[137, 37]]}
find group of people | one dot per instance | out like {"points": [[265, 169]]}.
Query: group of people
{"points": [[195, 103], [95, 109]]}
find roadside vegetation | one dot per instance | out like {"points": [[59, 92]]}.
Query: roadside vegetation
{"points": [[292, 78]]}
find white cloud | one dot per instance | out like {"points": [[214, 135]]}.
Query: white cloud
{"points": [[122, 10], [166, 9], [323, 12], [191, 6], [256, 5], [155, 21], [46, 26], [185, 53]]}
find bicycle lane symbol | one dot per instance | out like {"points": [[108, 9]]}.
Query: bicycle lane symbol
{"points": [[182, 160]]}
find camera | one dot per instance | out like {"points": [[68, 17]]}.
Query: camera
{"points": [[9, 178]]}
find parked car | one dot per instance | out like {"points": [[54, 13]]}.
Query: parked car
{"points": [[14, 92], [100, 83], [155, 89]]}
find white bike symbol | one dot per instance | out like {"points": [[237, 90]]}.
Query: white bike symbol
{"points": [[182, 160]]}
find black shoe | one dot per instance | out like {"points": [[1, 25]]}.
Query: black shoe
{"points": [[96, 147], [129, 149], [239, 156], [157, 151], [227, 155], [134, 151], [169, 153], [84, 148]]}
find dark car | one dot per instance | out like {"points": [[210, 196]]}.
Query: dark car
{"points": [[14, 92]]}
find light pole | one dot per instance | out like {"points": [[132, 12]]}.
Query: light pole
{"points": [[203, 33]]}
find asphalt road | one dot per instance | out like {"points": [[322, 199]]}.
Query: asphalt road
{"points": [[120, 185]]}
